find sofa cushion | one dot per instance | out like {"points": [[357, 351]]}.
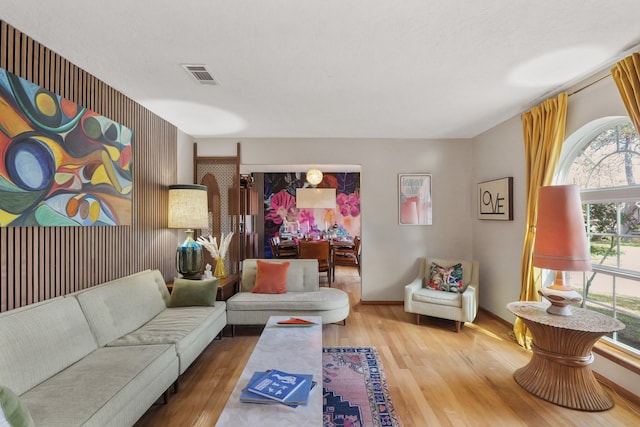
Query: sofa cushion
{"points": [[189, 328], [271, 277], [448, 279], [99, 388], [320, 300], [187, 293], [116, 308], [169, 327], [13, 413], [40, 340], [452, 299]]}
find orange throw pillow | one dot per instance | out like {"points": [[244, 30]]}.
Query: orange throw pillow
{"points": [[271, 278]]}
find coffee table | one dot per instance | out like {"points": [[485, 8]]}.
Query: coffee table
{"points": [[292, 349]]}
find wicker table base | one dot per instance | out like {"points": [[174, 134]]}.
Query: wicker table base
{"points": [[559, 370]]}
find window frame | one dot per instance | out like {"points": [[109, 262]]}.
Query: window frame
{"points": [[571, 149]]}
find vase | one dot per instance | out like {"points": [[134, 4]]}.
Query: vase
{"points": [[189, 257], [220, 272]]}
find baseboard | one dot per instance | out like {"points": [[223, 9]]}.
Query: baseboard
{"points": [[496, 317], [617, 388], [381, 302]]}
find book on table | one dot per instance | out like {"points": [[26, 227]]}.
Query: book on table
{"points": [[299, 397], [295, 321], [278, 386]]}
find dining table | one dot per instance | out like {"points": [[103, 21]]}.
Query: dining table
{"points": [[340, 243], [334, 243]]}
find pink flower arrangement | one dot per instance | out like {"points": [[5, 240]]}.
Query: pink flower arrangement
{"points": [[306, 215], [349, 204]]}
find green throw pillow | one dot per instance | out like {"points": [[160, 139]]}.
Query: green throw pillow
{"points": [[193, 292], [14, 411]]}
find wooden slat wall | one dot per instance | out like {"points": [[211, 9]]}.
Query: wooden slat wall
{"points": [[38, 263]]}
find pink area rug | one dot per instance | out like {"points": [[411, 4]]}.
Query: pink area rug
{"points": [[355, 389]]}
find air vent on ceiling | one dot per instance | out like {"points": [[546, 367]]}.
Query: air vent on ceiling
{"points": [[200, 73]]}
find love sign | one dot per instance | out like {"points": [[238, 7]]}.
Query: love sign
{"points": [[495, 199]]}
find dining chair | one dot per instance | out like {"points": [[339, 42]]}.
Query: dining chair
{"points": [[346, 256], [280, 251], [319, 250]]}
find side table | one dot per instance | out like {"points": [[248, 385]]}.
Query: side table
{"points": [[227, 287], [559, 371]]}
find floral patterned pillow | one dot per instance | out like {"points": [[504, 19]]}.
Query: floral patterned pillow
{"points": [[448, 279]]}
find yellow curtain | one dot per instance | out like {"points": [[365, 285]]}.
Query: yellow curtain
{"points": [[626, 75], [543, 128]]}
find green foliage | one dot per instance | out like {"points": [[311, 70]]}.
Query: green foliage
{"points": [[631, 305], [602, 250], [630, 335], [603, 218]]}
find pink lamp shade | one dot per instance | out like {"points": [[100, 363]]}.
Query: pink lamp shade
{"points": [[561, 243], [561, 240]]}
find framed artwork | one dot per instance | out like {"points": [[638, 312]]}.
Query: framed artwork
{"points": [[414, 204], [61, 164], [495, 199]]}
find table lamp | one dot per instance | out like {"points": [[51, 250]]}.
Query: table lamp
{"points": [[561, 243], [188, 210]]}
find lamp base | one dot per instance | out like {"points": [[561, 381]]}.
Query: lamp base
{"points": [[189, 258], [560, 297]]}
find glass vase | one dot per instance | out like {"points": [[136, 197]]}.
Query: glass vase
{"points": [[220, 272]]}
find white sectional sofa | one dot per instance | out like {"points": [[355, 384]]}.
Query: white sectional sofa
{"points": [[304, 296], [104, 355]]}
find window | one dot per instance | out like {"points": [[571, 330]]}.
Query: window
{"points": [[603, 159]]}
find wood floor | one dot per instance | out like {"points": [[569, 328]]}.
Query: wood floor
{"points": [[437, 377]]}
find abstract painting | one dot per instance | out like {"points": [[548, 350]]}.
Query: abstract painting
{"points": [[61, 164]]}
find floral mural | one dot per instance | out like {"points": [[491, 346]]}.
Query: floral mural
{"points": [[280, 205]]}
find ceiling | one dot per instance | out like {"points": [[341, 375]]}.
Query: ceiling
{"points": [[335, 68]]}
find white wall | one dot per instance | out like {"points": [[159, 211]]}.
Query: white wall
{"points": [[499, 152], [600, 100], [389, 251], [184, 158], [497, 245]]}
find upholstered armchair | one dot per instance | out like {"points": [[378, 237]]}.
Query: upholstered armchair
{"points": [[459, 307]]}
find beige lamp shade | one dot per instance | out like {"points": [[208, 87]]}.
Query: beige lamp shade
{"points": [[188, 206], [316, 198], [561, 241], [314, 176]]}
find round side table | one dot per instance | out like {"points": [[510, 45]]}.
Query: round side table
{"points": [[559, 370]]}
